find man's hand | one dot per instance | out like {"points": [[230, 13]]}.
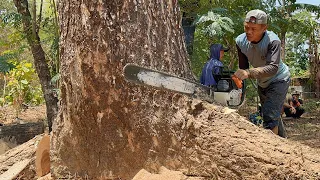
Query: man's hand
{"points": [[293, 110], [242, 74]]}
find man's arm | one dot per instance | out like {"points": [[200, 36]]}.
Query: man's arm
{"points": [[272, 62], [289, 105], [243, 60]]}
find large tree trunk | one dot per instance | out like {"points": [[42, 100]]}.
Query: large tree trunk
{"points": [[109, 128], [40, 63]]}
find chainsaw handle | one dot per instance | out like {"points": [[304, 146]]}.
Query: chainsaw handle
{"points": [[237, 81]]}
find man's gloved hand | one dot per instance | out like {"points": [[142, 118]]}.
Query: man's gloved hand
{"points": [[242, 74]]}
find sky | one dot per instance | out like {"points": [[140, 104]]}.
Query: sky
{"points": [[315, 2]]}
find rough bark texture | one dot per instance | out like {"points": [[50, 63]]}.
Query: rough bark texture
{"points": [[40, 63], [108, 128], [314, 62], [318, 84], [283, 45]]}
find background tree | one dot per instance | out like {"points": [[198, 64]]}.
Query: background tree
{"points": [[281, 17], [31, 32], [12, 46], [110, 128], [9, 48], [303, 53]]}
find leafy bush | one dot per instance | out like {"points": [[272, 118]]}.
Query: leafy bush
{"points": [[5, 65], [312, 105], [211, 28], [214, 24], [23, 86]]}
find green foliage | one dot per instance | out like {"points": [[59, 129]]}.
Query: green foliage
{"points": [[311, 105], [214, 24], [6, 66], [10, 18], [251, 92], [305, 23], [22, 86], [297, 54], [307, 7], [49, 34], [13, 49], [55, 79], [200, 53], [210, 29]]}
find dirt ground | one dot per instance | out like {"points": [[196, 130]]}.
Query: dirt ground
{"points": [[29, 114], [305, 130], [8, 116]]}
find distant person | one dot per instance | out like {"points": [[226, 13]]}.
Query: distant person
{"points": [[293, 107], [214, 67]]}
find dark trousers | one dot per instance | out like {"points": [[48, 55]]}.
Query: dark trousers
{"points": [[299, 112], [272, 99]]}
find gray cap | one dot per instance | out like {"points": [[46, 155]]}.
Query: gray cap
{"points": [[256, 16]]}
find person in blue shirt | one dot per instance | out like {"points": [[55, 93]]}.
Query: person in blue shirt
{"points": [[261, 49], [214, 67]]}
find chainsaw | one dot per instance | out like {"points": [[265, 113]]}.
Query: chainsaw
{"points": [[230, 90]]}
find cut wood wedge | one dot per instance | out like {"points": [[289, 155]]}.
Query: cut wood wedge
{"points": [[43, 156]]}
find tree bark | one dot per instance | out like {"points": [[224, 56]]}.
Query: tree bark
{"points": [[108, 128], [283, 45], [314, 62], [40, 63], [318, 84]]}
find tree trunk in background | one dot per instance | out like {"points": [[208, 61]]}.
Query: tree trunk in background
{"points": [[108, 128], [188, 30], [40, 63], [283, 46], [318, 84], [314, 61]]}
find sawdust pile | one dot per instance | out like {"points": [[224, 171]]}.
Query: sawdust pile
{"points": [[225, 145], [221, 145]]}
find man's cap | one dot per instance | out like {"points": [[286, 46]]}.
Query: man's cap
{"points": [[218, 47], [296, 93], [257, 17]]}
